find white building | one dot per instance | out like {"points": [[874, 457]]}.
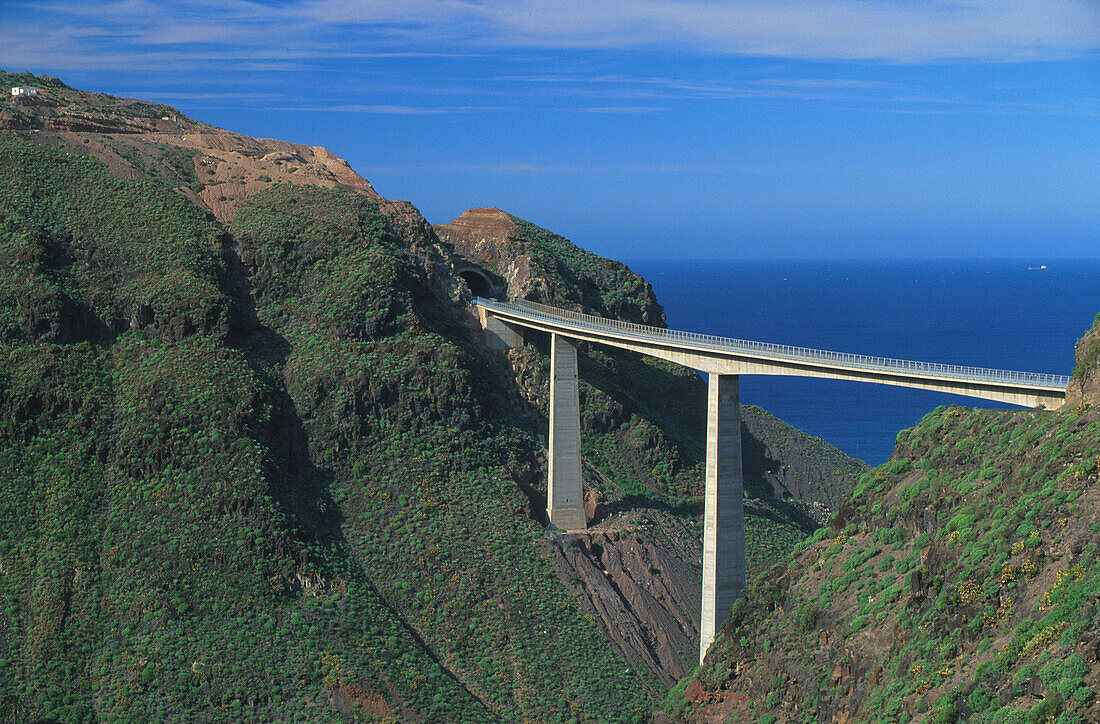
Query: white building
{"points": [[22, 90]]}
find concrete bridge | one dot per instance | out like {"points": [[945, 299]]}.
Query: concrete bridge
{"points": [[723, 360]]}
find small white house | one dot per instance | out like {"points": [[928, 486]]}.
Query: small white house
{"points": [[22, 90]]}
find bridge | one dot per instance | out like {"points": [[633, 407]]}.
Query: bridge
{"points": [[724, 360]]}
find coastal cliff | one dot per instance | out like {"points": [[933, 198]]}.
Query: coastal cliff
{"points": [[541, 266]]}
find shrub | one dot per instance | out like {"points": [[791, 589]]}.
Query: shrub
{"points": [[805, 618], [947, 715], [1046, 710], [979, 700]]}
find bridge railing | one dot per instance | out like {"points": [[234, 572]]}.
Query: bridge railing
{"points": [[642, 332]]}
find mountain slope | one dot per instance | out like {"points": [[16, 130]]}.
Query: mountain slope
{"points": [[165, 549], [643, 434], [406, 416], [961, 582], [258, 463]]}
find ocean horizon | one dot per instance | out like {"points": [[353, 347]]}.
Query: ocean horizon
{"points": [[1015, 314]]}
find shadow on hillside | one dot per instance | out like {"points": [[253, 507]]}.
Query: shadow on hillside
{"points": [[301, 488], [684, 509]]}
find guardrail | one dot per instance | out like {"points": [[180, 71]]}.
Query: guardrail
{"points": [[589, 322]]}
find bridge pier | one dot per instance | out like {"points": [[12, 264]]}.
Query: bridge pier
{"points": [[565, 486], [499, 335], [723, 515]]}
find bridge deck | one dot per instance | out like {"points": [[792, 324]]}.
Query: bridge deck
{"points": [[767, 358]]}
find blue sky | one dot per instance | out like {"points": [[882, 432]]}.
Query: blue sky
{"points": [[644, 128]]}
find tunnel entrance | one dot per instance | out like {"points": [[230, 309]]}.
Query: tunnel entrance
{"points": [[479, 284]]}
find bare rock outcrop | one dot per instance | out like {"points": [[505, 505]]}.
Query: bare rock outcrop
{"points": [[644, 599], [544, 267]]}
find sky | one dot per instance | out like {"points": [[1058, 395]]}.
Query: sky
{"points": [[644, 129]]}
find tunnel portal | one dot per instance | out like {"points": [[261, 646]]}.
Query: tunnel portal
{"points": [[479, 284]]}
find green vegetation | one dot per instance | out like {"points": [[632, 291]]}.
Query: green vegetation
{"points": [[87, 254], [268, 473], [381, 373], [210, 512], [1090, 355], [27, 78], [973, 553], [168, 165], [164, 552], [599, 285]]}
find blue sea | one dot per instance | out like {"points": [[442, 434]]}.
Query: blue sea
{"points": [[986, 313]]}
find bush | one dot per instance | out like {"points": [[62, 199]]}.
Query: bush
{"points": [[979, 700], [1010, 716], [1045, 710]]}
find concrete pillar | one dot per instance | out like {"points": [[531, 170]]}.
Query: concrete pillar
{"points": [[723, 517], [565, 487], [498, 333]]}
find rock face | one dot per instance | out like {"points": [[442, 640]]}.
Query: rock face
{"points": [[644, 598], [483, 234], [544, 267], [1084, 388]]}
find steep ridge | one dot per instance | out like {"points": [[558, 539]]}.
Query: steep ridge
{"points": [[260, 463], [167, 550], [215, 168], [961, 582], [542, 266]]}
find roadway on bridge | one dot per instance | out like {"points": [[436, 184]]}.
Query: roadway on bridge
{"points": [[723, 355]]}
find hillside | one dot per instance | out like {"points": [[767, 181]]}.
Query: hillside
{"points": [[961, 582], [215, 168], [256, 463]]}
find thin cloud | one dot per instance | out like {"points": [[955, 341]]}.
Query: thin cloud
{"points": [[617, 109], [822, 83], [814, 29], [391, 110], [234, 98], [495, 169], [597, 171], [895, 32], [656, 88]]}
